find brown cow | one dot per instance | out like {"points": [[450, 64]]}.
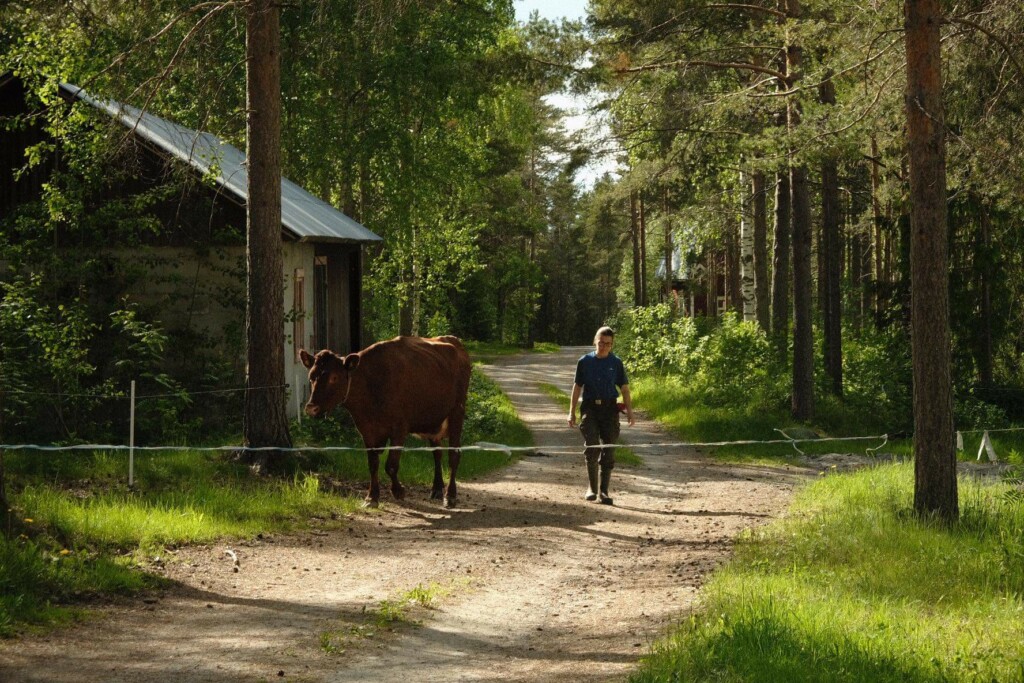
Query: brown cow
{"points": [[406, 385]]}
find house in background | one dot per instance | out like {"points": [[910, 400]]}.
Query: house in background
{"points": [[698, 282], [195, 275]]}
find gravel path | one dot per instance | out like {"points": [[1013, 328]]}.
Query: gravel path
{"points": [[534, 583]]}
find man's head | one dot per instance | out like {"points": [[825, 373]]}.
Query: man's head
{"points": [[603, 341]]}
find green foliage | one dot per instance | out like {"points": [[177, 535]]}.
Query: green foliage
{"points": [[491, 416], [854, 585], [655, 340], [877, 375], [731, 364], [737, 366]]}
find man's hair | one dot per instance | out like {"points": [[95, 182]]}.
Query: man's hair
{"points": [[604, 332]]}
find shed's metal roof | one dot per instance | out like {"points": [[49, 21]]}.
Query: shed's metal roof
{"points": [[308, 218]]}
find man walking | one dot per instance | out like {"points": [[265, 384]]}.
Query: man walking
{"points": [[599, 377]]}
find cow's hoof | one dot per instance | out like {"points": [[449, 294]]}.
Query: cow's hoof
{"points": [[449, 502], [437, 494], [370, 503], [398, 493]]}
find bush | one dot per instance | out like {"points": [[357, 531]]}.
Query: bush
{"points": [[653, 339], [731, 364], [877, 373], [737, 366]]}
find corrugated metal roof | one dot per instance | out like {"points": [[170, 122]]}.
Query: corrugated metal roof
{"points": [[308, 218]]}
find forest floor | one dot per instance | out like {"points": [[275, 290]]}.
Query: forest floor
{"points": [[524, 580]]}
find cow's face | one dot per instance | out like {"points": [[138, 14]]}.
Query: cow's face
{"points": [[330, 380]]}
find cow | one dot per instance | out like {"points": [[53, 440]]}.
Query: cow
{"points": [[402, 386]]}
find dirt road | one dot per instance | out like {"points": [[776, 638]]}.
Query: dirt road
{"points": [[531, 583]]}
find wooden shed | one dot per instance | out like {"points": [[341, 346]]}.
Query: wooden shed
{"points": [[322, 247]]}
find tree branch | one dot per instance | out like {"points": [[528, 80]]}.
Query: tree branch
{"points": [[755, 8], [743, 66], [992, 36]]}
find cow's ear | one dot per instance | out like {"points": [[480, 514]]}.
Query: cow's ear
{"points": [[306, 359], [351, 361]]}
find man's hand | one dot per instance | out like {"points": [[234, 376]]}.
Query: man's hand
{"points": [[572, 420]]}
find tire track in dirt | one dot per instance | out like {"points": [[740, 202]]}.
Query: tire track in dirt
{"points": [[542, 586]]}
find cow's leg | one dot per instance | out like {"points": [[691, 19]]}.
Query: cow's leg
{"points": [[454, 455], [373, 460], [391, 467], [437, 492]]}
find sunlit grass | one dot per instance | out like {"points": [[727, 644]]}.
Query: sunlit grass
{"points": [[674, 406], [389, 614], [195, 510], [853, 587], [485, 351]]}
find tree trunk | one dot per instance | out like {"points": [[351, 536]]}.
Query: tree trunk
{"points": [[803, 331], [856, 270], [780, 265], [634, 233], [265, 421], [733, 280], [876, 224], [935, 485], [669, 266], [831, 256], [782, 236], [760, 219], [983, 264], [712, 293], [5, 507], [747, 286], [643, 250]]}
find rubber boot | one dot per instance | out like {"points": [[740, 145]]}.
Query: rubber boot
{"points": [[592, 476], [606, 475]]}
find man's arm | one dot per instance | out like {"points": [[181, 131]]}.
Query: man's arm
{"points": [[628, 400], [573, 401]]}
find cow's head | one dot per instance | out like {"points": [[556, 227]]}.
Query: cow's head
{"points": [[330, 380]]}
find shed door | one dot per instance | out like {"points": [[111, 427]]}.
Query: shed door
{"points": [[336, 290]]}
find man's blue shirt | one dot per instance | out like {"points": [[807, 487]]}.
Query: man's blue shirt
{"points": [[599, 377]]}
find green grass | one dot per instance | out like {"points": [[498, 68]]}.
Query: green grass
{"points": [[486, 351], [853, 587], [84, 530], [675, 407], [624, 455], [389, 614], [88, 531]]}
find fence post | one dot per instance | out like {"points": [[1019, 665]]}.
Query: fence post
{"points": [[298, 399], [131, 440]]}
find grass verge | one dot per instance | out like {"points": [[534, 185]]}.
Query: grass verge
{"points": [[85, 531], [689, 420], [853, 587], [486, 351]]}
